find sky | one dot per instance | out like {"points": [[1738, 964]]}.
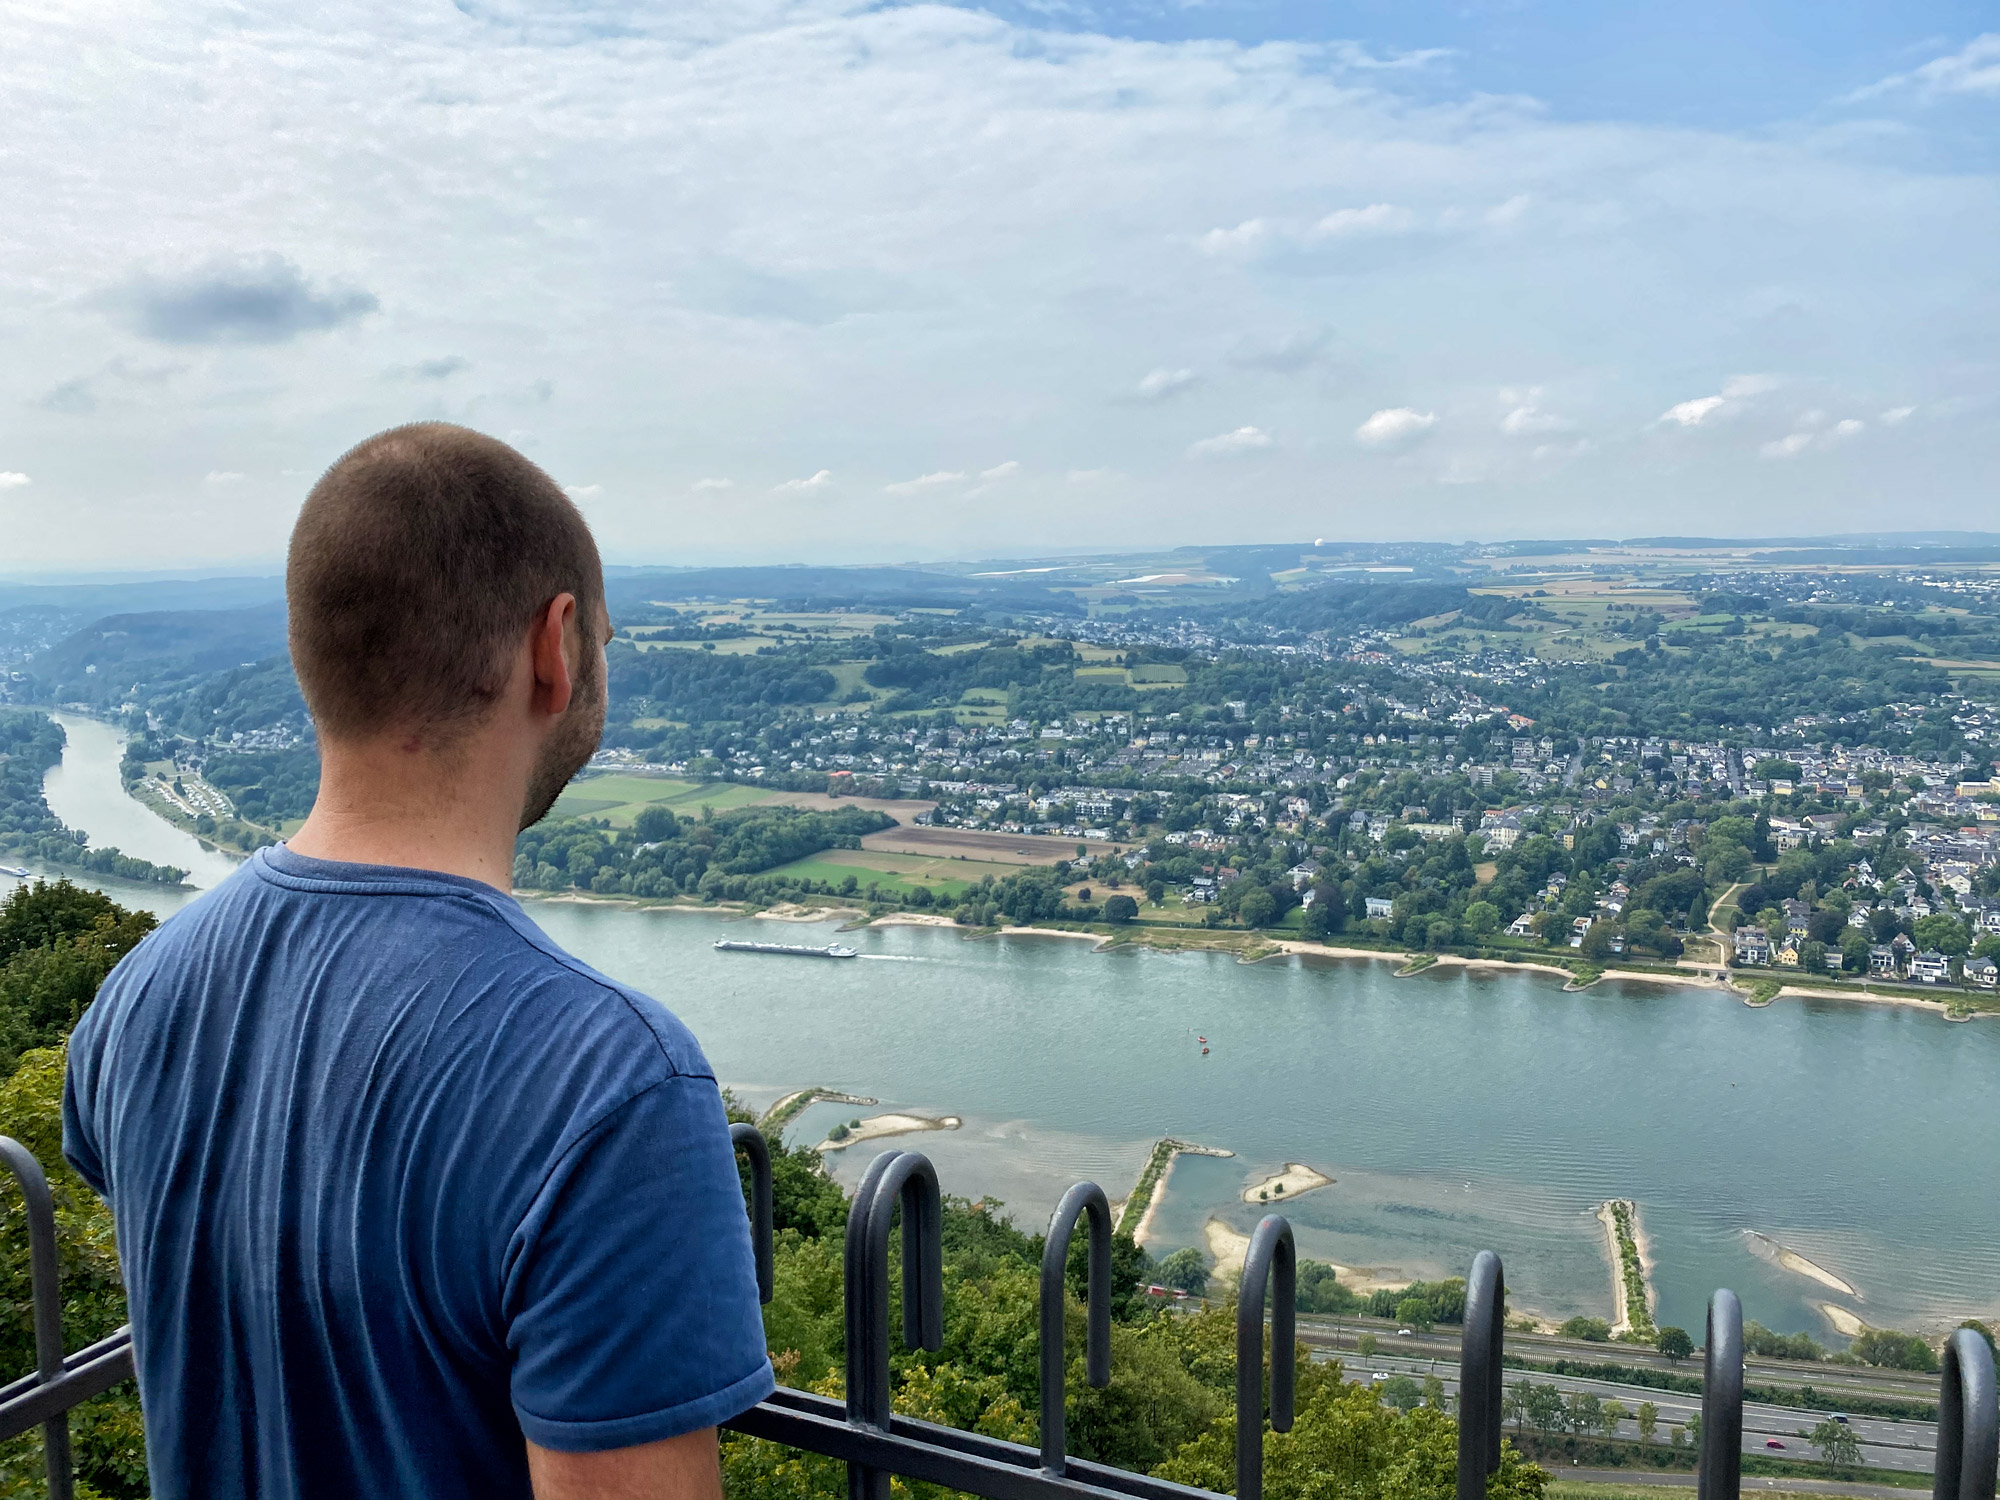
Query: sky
{"points": [[805, 280]]}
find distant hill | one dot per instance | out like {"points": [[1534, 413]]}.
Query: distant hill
{"points": [[154, 651], [886, 588]]}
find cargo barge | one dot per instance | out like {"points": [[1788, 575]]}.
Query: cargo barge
{"points": [[794, 950]]}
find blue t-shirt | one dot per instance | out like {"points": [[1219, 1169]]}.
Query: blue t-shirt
{"points": [[397, 1181]]}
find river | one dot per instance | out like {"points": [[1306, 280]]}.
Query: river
{"points": [[1456, 1110]]}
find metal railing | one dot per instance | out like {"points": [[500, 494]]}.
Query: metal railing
{"points": [[865, 1433]]}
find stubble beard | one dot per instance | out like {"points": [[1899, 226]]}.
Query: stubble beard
{"points": [[568, 749]]}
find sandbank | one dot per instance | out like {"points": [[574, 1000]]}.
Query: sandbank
{"points": [[876, 1126], [798, 1099], [1844, 1322], [1798, 1265], [1094, 938], [913, 919], [788, 912], [1297, 1178], [1228, 1246]]}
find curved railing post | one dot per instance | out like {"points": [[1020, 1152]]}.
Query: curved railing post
{"points": [[1721, 1474], [750, 1141], [1270, 1251], [1085, 1197], [1479, 1350], [909, 1177], [45, 1285], [1968, 1436]]}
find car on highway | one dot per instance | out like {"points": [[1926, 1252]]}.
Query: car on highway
{"points": [[1840, 1417], [1772, 1443], [1404, 1333]]}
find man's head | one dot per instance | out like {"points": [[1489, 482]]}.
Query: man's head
{"points": [[424, 564]]}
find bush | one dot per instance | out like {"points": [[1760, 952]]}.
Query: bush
{"points": [[1186, 1270], [1889, 1350], [1757, 1339], [1596, 1330]]}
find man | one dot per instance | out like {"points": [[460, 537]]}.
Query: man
{"points": [[409, 1201]]}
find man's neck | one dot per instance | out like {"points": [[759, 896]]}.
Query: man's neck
{"points": [[381, 803]]}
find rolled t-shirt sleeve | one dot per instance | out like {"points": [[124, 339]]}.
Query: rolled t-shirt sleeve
{"points": [[631, 1298]]}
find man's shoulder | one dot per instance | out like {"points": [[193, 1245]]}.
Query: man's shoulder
{"points": [[448, 937], [622, 1015]]}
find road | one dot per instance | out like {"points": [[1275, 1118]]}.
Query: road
{"points": [[1885, 1443]]}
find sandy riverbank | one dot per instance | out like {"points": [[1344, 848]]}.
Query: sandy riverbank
{"points": [[1227, 1247], [1798, 1264], [1296, 1179], [1095, 938], [913, 919], [1844, 1322], [787, 912], [875, 1127]]}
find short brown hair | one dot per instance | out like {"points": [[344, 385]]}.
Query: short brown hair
{"points": [[416, 566]]}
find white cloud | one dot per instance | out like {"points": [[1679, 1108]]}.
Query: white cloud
{"points": [[12, 479], [1091, 476], [1973, 69], [1529, 420], [1739, 387], [924, 482], [1226, 444], [1002, 471], [1241, 240], [1376, 218], [1502, 215], [714, 484], [1846, 427], [1158, 384], [221, 477], [1692, 413], [1787, 446], [1895, 416], [582, 491], [1395, 424], [816, 481]]}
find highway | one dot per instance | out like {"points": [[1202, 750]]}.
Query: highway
{"points": [[1886, 1443]]}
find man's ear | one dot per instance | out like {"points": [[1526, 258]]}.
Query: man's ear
{"points": [[555, 681]]}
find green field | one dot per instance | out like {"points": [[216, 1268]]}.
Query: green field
{"points": [[620, 798], [819, 867]]}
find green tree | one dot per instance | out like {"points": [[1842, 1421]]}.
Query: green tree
{"points": [[1837, 1445], [1944, 932], [1482, 919], [1257, 908], [1583, 1412], [1366, 1345], [1596, 1330], [1894, 1351], [1401, 1392], [1674, 1343], [1120, 909], [1185, 1270], [1609, 1415], [1545, 1408], [1648, 1420], [1415, 1313]]}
